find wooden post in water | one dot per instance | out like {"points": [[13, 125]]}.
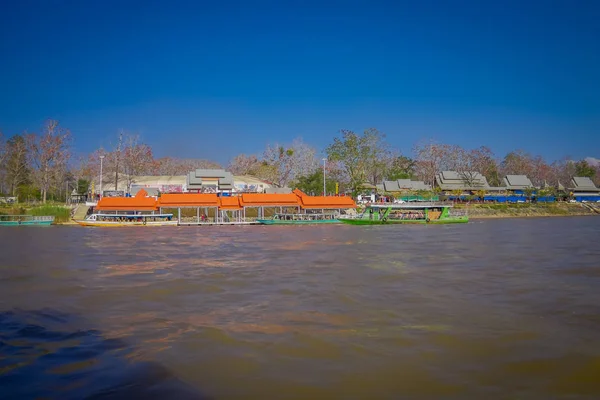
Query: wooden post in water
{"points": [[198, 215], [178, 215]]}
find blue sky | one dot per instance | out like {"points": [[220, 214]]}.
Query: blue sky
{"points": [[213, 79]]}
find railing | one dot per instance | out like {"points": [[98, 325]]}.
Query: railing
{"points": [[457, 213], [24, 218], [413, 204]]}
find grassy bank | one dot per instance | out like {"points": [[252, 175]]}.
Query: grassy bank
{"points": [[529, 210], [60, 213]]}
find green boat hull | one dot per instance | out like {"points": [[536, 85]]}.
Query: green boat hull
{"points": [[25, 223], [357, 221], [292, 222]]}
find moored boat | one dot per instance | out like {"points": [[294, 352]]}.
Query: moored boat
{"points": [[408, 213], [26, 220], [115, 220], [301, 219]]}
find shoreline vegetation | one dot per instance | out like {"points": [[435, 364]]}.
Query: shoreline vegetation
{"points": [[61, 213], [486, 211]]}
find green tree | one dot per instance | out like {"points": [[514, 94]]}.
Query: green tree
{"points": [[313, 184], [360, 156], [582, 168], [82, 186], [402, 168], [528, 191]]}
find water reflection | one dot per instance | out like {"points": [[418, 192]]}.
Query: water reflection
{"points": [[45, 356]]}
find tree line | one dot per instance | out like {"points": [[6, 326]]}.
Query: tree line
{"points": [[40, 166]]}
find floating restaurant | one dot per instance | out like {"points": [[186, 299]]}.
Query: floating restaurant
{"points": [[217, 209]]}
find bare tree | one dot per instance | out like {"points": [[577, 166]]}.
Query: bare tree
{"points": [[178, 166], [429, 160], [2, 162], [280, 159], [2, 149], [484, 161], [517, 162], [289, 162], [17, 165], [137, 159], [50, 153], [243, 164], [116, 155]]}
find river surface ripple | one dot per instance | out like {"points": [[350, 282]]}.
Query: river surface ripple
{"points": [[490, 309]]}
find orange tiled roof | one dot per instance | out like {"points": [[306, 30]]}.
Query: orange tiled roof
{"points": [[268, 200], [188, 200], [327, 202], [127, 204], [229, 203], [299, 192]]}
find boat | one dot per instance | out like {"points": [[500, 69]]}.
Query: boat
{"points": [[26, 220], [100, 219], [407, 213], [300, 219]]}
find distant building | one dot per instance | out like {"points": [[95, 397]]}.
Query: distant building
{"points": [[517, 183], [209, 181], [158, 184], [402, 185], [249, 184], [467, 181], [583, 189]]}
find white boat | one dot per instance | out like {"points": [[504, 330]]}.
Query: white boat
{"points": [[100, 219]]}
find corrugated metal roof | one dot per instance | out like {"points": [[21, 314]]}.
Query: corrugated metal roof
{"points": [[517, 182], [583, 182], [468, 180]]}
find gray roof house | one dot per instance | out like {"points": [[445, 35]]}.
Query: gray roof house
{"points": [[517, 182], [469, 180], [212, 180], [583, 184], [402, 185]]}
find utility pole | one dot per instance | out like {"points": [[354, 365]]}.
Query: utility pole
{"points": [[101, 159], [324, 190]]}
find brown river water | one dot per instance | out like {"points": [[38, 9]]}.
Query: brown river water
{"points": [[494, 309]]}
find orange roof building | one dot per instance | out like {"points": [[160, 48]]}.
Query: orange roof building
{"points": [[326, 202], [297, 199], [269, 200], [181, 200], [229, 203], [138, 203], [323, 202]]}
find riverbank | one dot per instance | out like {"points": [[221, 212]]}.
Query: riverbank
{"points": [[61, 214], [524, 210], [475, 211]]}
